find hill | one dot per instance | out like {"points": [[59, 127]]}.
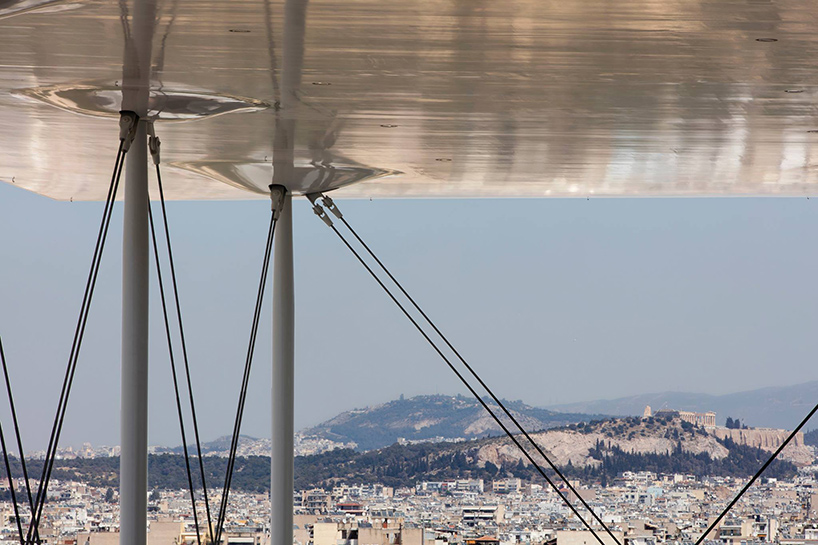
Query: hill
{"points": [[774, 407], [425, 418], [595, 451]]}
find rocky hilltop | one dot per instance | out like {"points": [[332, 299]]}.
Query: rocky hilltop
{"points": [[576, 444], [599, 449], [764, 438], [596, 451]]}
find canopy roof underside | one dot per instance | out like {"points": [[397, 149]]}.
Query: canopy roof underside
{"points": [[421, 98]]}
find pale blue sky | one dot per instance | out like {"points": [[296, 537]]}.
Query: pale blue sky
{"points": [[552, 300]]}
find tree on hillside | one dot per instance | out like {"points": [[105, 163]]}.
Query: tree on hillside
{"points": [[735, 424]]}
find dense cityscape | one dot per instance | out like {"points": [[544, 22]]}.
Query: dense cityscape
{"points": [[637, 507], [641, 508]]}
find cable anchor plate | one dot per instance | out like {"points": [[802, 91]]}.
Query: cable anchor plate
{"points": [[128, 121], [277, 193], [318, 209]]}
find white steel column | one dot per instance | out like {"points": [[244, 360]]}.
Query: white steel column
{"points": [[133, 472], [281, 479], [133, 461]]}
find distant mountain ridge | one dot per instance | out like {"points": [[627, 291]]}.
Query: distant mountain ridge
{"points": [[773, 407], [428, 418]]}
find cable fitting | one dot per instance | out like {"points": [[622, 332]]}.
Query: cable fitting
{"points": [[330, 204], [153, 143], [318, 209], [128, 121], [277, 193]]}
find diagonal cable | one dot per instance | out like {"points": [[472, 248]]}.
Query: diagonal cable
{"points": [[469, 386], [8, 464], [77, 343], [11, 485], [757, 474], [329, 203], [16, 426], [79, 333], [173, 372], [245, 382], [155, 154]]}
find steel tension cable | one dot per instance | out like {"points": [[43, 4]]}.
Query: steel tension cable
{"points": [[153, 145], [332, 207], [16, 424], [319, 211], [11, 484], [127, 132], [277, 194], [6, 457]]}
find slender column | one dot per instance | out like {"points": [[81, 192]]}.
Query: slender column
{"points": [[133, 473], [281, 481], [133, 462]]}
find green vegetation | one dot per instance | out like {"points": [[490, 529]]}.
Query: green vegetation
{"points": [[742, 461], [667, 426], [397, 465], [405, 465], [165, 471], [736, 424]]}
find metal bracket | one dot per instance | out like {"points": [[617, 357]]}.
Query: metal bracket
{"points": [[318, 209], [330, 204], [153, 143], [128, 121], [277, 193]]}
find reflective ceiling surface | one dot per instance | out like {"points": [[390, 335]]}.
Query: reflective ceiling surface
{"points": [[418, 98]]}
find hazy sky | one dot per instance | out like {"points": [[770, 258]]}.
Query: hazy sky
{"points": [[552, 300]]}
